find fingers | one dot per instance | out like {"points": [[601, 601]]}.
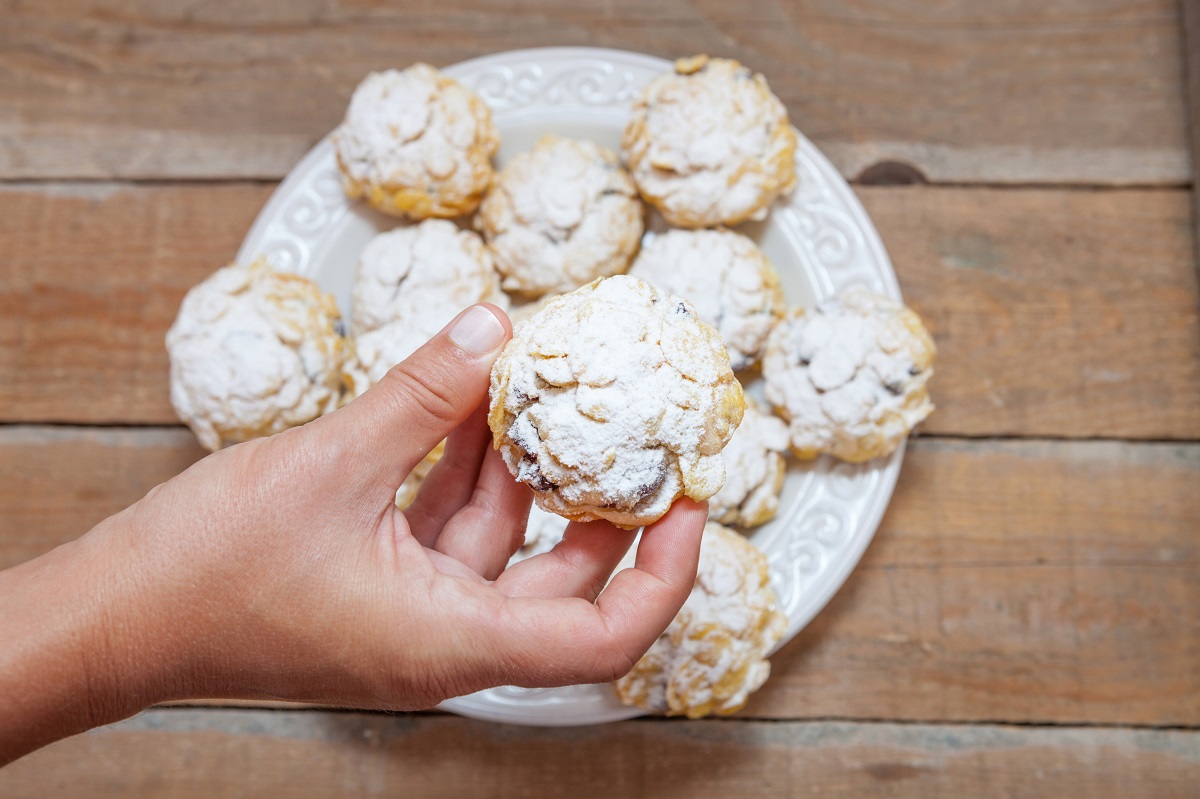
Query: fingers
{"points": [[578, 566], [422, 399], [488, 529], [566, 641], [451, 482]]}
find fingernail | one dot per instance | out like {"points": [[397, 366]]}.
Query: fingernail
{"points": [[478, 331]]}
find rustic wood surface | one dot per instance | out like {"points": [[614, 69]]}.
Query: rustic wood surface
{"points": [[1015, 91], [208, 753], [1088, 280], [1027, 620]]}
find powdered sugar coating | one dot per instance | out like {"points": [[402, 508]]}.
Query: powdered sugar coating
{"points": [[850, 376], [409, 284], [754, 471], [416, 143], [254, 352], [714, 653], [560, 216], [422, 274], [709, 144], [726, 276], [613, 401]]}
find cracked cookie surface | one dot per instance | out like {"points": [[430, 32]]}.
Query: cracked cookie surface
{"points": [[726, 276], [254, 352], [416, 143], [714, 653], [613, 401], [754, 471], [850, 375], [560, 216], [709, 144]]}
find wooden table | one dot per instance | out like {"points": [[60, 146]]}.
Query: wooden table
{"points": [[1026, 622]]}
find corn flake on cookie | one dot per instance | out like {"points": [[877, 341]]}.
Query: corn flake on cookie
{"points": [[850, 376], [416, 143], [560, 216], [709, 144], [754, 471], [254, 352], [714, 654], [613, 401], [726, 276], [415, 273]]}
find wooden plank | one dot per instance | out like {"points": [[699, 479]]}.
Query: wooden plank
{"points": [[1017, 91], [217, 754], [1016, 581], [1190, 37], [1057, 313]]}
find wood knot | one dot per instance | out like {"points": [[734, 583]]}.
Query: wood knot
{"points": [[890, 173]]}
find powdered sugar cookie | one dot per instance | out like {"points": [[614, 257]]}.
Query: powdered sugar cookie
{"points": [[726, 276], [423, 275], [560, 216], [613, 401], [850, 376], [416, 143], [709, 144], [254, 352], [754, 471], [714, 654], [409, 284]]}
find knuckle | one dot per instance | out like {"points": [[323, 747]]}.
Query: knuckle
{"points": [[426, 389]]}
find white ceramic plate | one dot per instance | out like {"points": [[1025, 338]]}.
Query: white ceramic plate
{"points": [[819, 238]]}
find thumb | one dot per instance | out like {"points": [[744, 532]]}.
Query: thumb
{"points": [[424, 397]]}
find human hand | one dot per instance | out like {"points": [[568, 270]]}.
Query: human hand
{"points": [[281, 568]]}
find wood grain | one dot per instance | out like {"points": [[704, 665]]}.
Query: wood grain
{"points": [[1056, 313], [1017, 91], [218, 754], [1016, 581]]}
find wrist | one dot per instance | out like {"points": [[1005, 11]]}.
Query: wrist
{"points": [[78, 650]]}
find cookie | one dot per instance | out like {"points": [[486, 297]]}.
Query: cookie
{"points": [[254, 352], [560, 216], [613, 401], [714, 654], [850, 375], [420, 273], [754, 471], [416, 143], [709, 144], [410, 283], [407, 492], [726, 276]]}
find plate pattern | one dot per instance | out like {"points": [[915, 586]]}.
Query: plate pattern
{"points": [[831, 509]]}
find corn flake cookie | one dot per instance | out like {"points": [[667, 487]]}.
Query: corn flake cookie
{"points": [[709, 144], [416, 143], [754, 471], [726, 276], [613, 401], [254, 352], [410, 282], [850, 375], [560, 216], [714, 654], [416, 272]]}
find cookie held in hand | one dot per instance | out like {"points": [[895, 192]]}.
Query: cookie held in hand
{"points": [[613, 401]]}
